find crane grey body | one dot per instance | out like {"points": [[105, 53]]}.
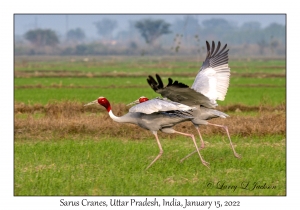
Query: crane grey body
{"points": [[202, 114], [210, 84], [153, 122], [159, 118]]}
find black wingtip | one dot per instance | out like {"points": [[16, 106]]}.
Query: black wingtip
{"points": [[170, 81], [217, 49], [208, 50], [176, 83], [212, 47], [153, 84], [152, 80], [223, 50], [207, 46], [160, 82], [211, 51]]}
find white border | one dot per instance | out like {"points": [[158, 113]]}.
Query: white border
{"points": [[8, 201]]}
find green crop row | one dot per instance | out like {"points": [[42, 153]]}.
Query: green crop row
{"points": [[247, 95], [127, 81], [141, 65]]}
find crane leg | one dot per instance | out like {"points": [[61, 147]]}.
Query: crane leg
{"points": [[202, 142], [188, 156], [202, 145], [160, 150], [197, 149], [226, 129]]}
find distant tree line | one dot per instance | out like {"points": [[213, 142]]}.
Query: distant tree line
{"points": [[40, 37], [157, 35]]}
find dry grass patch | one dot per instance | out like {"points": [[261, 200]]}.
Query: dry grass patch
{"points": [[69, 108], [61, 120]]}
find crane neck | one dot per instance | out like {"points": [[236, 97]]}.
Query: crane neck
{"points": [[116, 118], [127, 118]]}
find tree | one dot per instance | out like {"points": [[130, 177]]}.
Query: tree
{"points": [[274, 44], [105, 27], [42, 37], [276, 31], [75, 34], [262, 44], [152, 29]]}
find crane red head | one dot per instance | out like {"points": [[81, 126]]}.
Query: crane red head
{"points": [[143, 99], [102, 101], [140, 100]]}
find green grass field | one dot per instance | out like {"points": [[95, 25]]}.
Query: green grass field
{"points": [[100, 164], [117, 167], [273, 96], [121, 81], [139, 64], [272, 90]]}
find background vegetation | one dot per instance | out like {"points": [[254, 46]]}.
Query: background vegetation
{"points": [[184, 36]]}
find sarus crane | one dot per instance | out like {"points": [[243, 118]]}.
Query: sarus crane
{"points": [[211, 82], [159, 116]]}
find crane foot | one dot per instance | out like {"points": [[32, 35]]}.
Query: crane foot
{"points": [[237, 155], [205, 163]]}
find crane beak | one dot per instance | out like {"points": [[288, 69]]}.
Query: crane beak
{"points": [[134, 102], [91, 103]]}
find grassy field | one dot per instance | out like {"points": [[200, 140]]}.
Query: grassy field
{"points": [[117, 167], [63, 148], [257, 95], [140, 65]]}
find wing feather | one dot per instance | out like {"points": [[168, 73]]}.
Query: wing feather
{"points": [[159, 105], [214, 74], [181, 93], [218, 47]]}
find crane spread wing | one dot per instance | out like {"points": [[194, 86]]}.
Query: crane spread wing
{"points": [[214, 74], [159, 105], [179, 92]]}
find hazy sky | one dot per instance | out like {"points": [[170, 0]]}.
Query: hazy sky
{"points": [[63, 22]]}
